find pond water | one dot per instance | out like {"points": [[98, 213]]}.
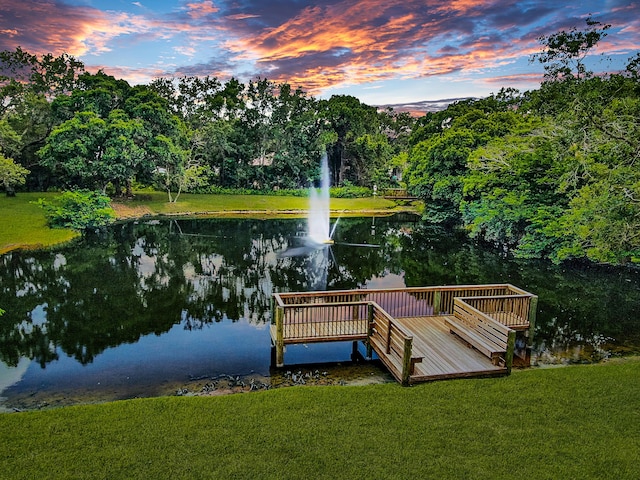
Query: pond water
{"points": [[175, 306]]}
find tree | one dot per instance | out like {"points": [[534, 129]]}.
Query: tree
{"points": [[214, 145], [602, 174], [98, 93], [295, 140], [564, 52], [196, 100], [511, 189], [177, 169], [47, 74], [349, 119], [90, 152], [436, 169], [11, 175]]}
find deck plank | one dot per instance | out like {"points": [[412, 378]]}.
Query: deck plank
{"points": [[445, 356]]}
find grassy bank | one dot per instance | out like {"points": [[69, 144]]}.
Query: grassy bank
{"points": [[574, 422], [24, 224], [156, 204]]}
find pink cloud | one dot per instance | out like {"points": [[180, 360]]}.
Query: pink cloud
{"points": [[311, 45], [197, 10]]}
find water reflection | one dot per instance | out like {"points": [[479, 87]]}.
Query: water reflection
{"points": [[192, 297]]}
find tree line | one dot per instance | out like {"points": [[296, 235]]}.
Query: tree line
{"points": [[74, 129], [549, 173]]}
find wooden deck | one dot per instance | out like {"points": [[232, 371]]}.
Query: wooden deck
{"points": [[412, 330], [444, 354]]}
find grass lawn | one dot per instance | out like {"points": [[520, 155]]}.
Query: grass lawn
{"points": [[23, 224], [156, 204], [573, 422]]}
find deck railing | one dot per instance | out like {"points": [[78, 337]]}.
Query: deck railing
{"points": [[389, 337], [317, 322], [510, 310], [394, 192], [369, 314], [413, 301]]}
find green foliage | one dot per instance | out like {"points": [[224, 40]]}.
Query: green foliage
{"points": [[79, 210], [549, 173], [350, 191], [11, 174], [435, 173], [564, 52], [90, 152], [360, 147], [552, 173], [511, 189]]}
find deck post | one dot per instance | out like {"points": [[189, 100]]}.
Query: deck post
{"points": [[533, 307], [370, 331], [406, 361], [279, 337], [511, 345], [436, 302]]}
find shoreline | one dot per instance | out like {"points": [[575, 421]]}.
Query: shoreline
{"points": [[129, 211]]}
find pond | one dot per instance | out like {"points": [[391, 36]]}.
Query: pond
{"points": [[161, 307]]}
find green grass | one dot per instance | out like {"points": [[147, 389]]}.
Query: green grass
{"points": [[574, 422], [157, 203], [24, 224]]}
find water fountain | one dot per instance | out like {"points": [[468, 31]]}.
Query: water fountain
{"points": [[318, 220]]}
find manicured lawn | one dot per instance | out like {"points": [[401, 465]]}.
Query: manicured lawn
{"points": [[23, 224], [574, 422], [157, 203]]}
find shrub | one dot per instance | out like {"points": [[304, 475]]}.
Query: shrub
{"points": [[79, 210], [350, 191]]}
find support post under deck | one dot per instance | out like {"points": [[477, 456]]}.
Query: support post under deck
{"points": [[406, 361], [533, 306], [279, 337], [369, 331]]}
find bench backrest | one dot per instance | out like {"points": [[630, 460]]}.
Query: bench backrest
{"points": [[481, 323]]}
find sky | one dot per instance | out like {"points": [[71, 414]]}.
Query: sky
{"points": [[380, 51]]}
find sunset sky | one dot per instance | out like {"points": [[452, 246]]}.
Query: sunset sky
{"points": [[381, 51]]}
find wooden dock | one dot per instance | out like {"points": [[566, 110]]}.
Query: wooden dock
{"points": [[419, 334]]}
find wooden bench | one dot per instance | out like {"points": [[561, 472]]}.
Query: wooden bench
{"points": [[488, 336]]}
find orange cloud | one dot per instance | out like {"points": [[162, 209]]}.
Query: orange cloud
{"points": [[313, 45], [49, 27], [202, 9], [354, 42]]}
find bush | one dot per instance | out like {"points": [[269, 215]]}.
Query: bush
{"points": [[79, 210], [350, 191]]}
